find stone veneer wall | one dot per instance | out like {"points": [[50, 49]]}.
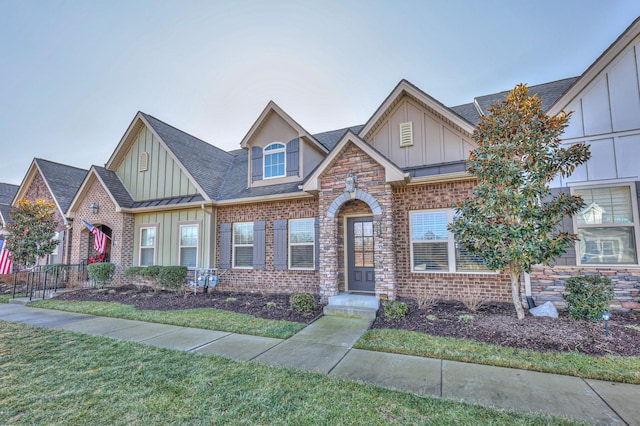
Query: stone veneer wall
{"points": [[122, 230], [548, 283], [268, 280], [494, 287], [378, 194]]}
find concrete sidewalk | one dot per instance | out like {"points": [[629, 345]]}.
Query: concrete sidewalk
{"points": [[326, 346]]}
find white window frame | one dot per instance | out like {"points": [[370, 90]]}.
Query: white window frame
{"points": [[197, 246], [451, 248], [275, 151], [635, 224], [155, 245], [234, 245], [312, 244]]}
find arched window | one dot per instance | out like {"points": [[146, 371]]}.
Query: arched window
{"points": [[274, 160]]}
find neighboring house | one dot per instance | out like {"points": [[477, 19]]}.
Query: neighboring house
{"points": [[605, 101], [363, 209], [56, 183], [7, 193]]}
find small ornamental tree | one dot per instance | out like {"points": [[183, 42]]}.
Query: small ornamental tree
{"points": [[512, 220], [32, 231]]}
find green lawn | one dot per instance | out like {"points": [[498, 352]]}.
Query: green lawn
{"points": [[60, 377], [613, 368], [210, 319]]}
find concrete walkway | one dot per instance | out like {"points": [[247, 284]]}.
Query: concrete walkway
{"points": [[326, 346]]}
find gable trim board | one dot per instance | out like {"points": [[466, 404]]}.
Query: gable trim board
{"points": [[406, 88], [273, 108], [392, 172], [127, 140], [608, 56]]}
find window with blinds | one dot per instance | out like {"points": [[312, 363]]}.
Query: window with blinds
{"points": [[301, 243], [606, 226], [243, 245], [433, 247], [188, 245]]}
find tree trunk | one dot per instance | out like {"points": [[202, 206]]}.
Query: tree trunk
{"points": [[515, 294]]}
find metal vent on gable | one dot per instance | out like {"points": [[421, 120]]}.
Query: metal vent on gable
{"points": [[406, 134], [143, 162]]}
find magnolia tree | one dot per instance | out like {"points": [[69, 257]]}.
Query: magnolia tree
{"points": [[32, 231], [512, 220]]}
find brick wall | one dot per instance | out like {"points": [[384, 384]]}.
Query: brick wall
{"points": [[495, 287], [268, 280], [122, 226]]}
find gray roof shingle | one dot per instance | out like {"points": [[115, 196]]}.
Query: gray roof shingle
{"points": [[331, 138], [7, 192], [206, 163], [5, 210], [63, 180], [548, 92], [115, 187]]}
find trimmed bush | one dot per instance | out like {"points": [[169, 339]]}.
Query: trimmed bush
{"points": [[133, 271], [101, 273], [151, 272], [395, 310], [172, 277], [588, 296], [302, 302]]}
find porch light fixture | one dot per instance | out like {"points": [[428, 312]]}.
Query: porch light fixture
{"points": [[95, 207], [606, 316]]}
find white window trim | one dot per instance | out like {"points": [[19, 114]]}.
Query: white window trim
{"points": [[312, 244], [197, 246], [635, 225], [275, 151], [234, 245], [155, 246], [451, 248]]}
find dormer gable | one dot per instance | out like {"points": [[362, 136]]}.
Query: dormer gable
{"points": [[279, 149], [413, 129]]}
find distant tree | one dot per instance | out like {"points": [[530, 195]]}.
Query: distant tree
{"points": [[31, 233], [512, 220]]}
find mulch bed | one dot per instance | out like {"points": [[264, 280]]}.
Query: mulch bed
{"points": [[497, 323], [494, 323], [144, 298]]}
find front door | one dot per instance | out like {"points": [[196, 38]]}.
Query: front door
{"points": [[360, 269]]}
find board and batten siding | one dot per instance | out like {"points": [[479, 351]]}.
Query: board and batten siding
{"points": [[163, 178], [606, 115], [434, 142], [167, 244]]}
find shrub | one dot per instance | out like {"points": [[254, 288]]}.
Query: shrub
{"points": [[302, 302], [101, 273], [172, 277], [133, 271], [588, 296], [151, 272], [395, 310]]}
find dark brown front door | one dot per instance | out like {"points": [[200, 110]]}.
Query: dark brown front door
{"points": [[361, 273]]}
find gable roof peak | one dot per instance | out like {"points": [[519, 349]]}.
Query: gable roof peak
{"points": [[273, 108]]}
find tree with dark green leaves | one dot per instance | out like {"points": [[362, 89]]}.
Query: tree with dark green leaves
{"points": [[512, 220], [32, 231]]}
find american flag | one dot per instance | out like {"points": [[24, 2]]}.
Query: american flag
{"points": [[100, 238], [5, 258]]}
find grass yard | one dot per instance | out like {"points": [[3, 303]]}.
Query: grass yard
{"points": [[613, 368], [59, 377], [208, 318]]}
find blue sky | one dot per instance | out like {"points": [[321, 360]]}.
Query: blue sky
{"points": [[74, 73]]}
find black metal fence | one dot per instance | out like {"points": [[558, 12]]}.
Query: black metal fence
{"points": [[44, 280]]}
